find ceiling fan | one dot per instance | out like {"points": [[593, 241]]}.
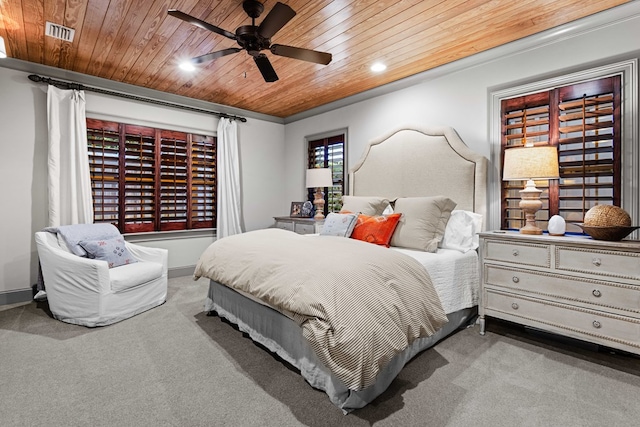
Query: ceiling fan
{"points": [[254, 38]]}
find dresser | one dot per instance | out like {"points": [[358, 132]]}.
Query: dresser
{"points": [[299, 225], [573, 286]]}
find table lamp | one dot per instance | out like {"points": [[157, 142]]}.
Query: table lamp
{"points": [[319, 178], [530, 163]]}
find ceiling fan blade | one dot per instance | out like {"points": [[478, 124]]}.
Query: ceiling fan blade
{"points": [[198, 23], [302, 54], [276, 19], [214, 55], [265, 67]]}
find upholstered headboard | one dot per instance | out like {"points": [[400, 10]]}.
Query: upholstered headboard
{"points": [[422, 161]]}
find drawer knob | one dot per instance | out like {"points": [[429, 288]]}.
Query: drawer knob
{"points": [[515, 306], [596, 293], [515, 279], [596, 324], [516, 252], [597, 262]]}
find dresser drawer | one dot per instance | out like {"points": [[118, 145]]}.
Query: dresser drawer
{"points": [[576, 322], [305, 228], [284, 225], [518, 253], [599, 293], [607, 263]]}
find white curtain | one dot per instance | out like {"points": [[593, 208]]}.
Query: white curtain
{"points": [[228, 172], [69, 181]]}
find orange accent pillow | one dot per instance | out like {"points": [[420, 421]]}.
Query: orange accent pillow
{"points": [[376, 229]]}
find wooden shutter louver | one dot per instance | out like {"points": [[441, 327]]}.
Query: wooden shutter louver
{"points": [[203, 182], [329, 153], [588, 147], [139, 181], [103, 148], [335, 161], [174, 190], [525, 122], [316, 155]]}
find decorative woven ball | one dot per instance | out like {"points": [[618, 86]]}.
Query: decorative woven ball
{"points": [[607, 216]]}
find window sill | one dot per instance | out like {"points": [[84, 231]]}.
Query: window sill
{"points": [[169, 235]]}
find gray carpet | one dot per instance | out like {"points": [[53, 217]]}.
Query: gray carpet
{"points": [[176, 366]]}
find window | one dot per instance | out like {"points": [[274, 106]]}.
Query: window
{"points": [[329, 153], [584, 121], [145, 179]]}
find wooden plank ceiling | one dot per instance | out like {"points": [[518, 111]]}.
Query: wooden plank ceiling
{"points": [[136, 42]]}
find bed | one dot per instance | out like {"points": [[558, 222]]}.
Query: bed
{"points": [[407, 163]]}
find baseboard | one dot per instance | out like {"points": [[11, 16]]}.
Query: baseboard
{"points": [[25, 295], [181, 271], [14, 297]]}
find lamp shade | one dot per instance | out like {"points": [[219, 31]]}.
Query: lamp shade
{"points": [[530, 163], [319, 177], [3, 50]]}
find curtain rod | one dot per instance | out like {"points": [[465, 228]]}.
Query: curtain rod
{"points": [[78, 86]]}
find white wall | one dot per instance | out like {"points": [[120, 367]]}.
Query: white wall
{"points": [[460, 97], [23, 172], [23, 176]]}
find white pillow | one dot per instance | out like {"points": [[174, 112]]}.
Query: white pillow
{"points": [[423, 222], [341, 225], [462, 231], [371, 206]]}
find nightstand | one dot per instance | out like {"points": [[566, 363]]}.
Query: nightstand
{"points": [[573, 286], [299, 225]]}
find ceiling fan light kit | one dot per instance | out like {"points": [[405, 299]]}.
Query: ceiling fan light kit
{"points": [[255, 39]]}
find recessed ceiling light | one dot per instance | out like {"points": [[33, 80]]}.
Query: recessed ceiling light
{"points": [[378, 67], [187, 66]]}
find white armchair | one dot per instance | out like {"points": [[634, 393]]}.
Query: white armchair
{"points": [[87, 292]]}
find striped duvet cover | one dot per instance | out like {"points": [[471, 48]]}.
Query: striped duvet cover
{"points": [[358, 304]]}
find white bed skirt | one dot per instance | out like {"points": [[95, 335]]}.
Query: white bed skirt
{"points": [[283, 336]]}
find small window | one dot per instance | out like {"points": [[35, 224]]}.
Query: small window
{"points": [[329, 153]]}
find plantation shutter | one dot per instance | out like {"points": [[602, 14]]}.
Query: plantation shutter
{"points": [[103, 149], [589, 141], [583, 121], [329, 153], [145, 179], [174, 188], [138, 184], [203, 182], [525, 121]]}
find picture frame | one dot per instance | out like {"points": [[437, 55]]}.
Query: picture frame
{"points": [[307, 210], [296, 210]]}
